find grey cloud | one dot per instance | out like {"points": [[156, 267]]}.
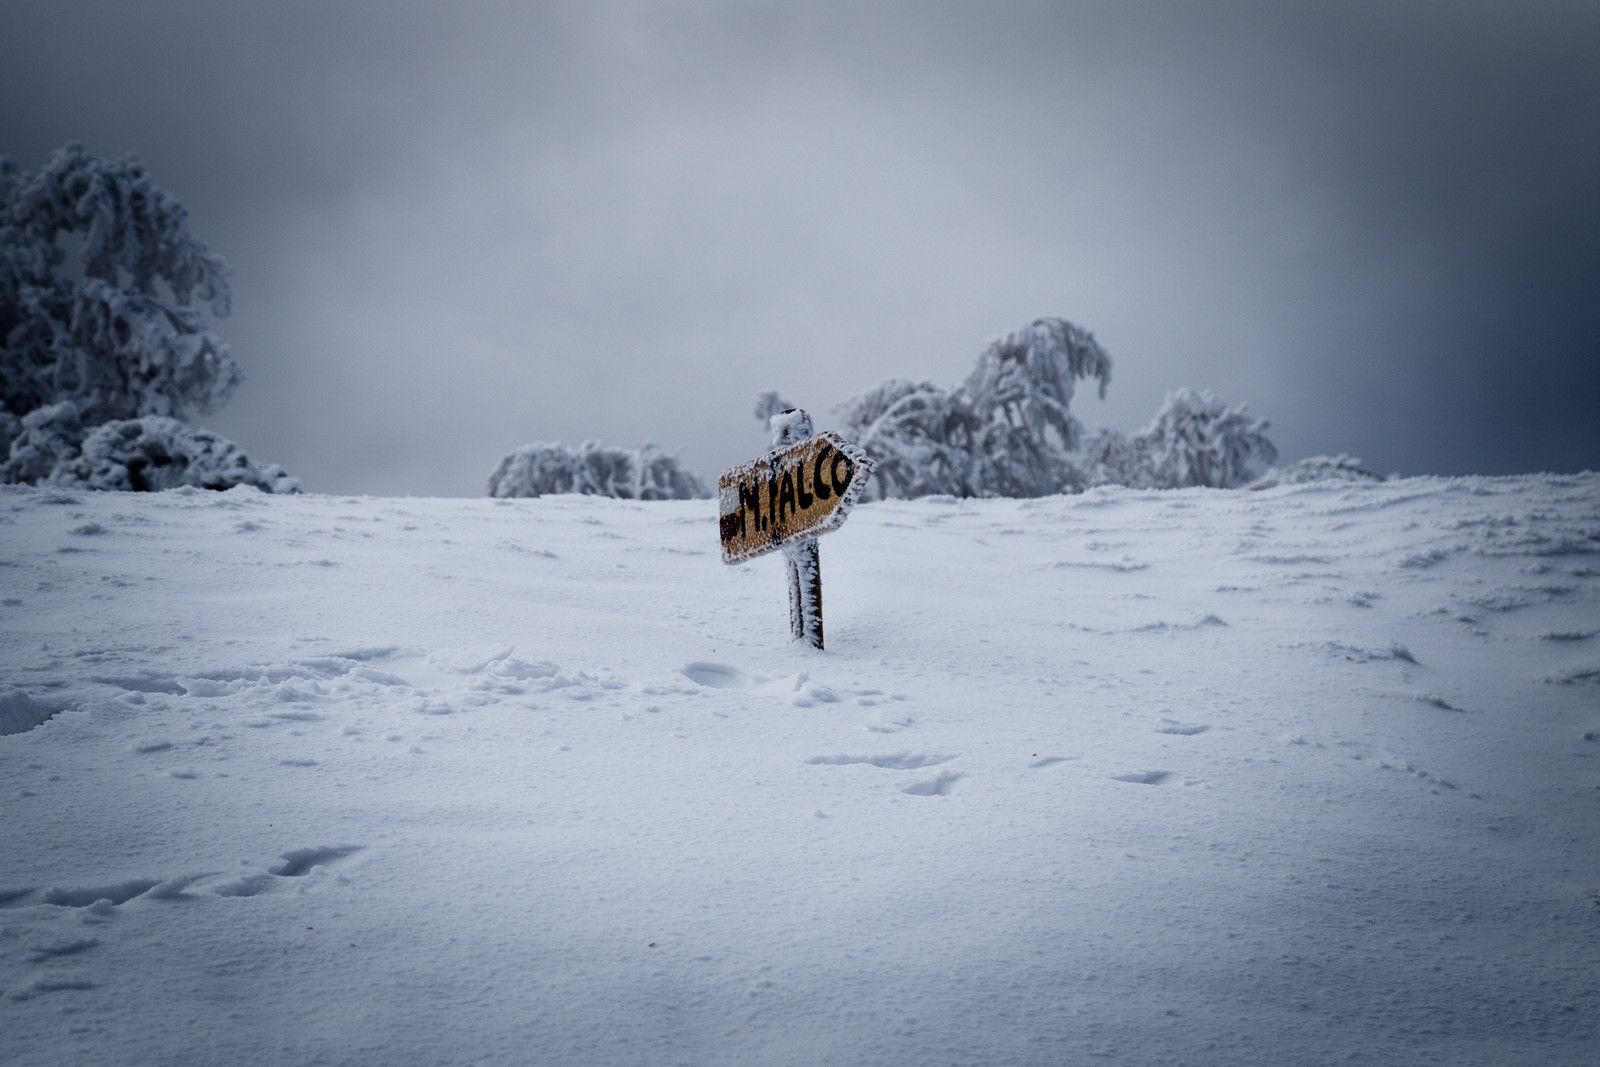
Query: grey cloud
{"points": [[459, 228]]}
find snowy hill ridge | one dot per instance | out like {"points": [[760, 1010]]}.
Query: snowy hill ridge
{"points": [[1296, 776]]}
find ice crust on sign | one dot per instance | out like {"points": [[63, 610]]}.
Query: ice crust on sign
{"points": [[799, 490]]}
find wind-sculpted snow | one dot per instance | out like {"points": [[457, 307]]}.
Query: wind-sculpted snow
{"points": [[1304, 775]]}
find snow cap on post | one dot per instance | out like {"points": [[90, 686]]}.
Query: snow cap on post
{"points": [[790, 426]]}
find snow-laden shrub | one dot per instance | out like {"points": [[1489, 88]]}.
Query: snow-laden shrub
{"points": [[1197, 439], [49, 436], [1340, 468], [644, 473], [1110, 457], [158, 452], [98, 275]]}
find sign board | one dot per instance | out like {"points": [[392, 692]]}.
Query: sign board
{"points": [[790, 494]]}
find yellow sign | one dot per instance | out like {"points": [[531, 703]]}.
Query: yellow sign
{"points": [[792, 493]]}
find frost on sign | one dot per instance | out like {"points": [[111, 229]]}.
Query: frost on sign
{"points": [[790, 494]]}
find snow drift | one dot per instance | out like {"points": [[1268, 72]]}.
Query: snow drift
{"points": [[1297, 776]]}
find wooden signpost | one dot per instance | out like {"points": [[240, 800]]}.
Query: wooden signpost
{"points": [[785, 500]]}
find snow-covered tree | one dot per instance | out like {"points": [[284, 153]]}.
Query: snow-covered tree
{"points": [[643, 473], [1197, 439], [99, 282], [920, 436], [1020, 395], [1010, 461], [1026, 379], [99, 276], [1008, 430]]}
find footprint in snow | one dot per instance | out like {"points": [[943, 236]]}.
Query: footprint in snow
{"points": [[717, 676], [21, 712], [934, 787], [54, 950], [98, 898], [1143, 777], [298, 862], [899, 761], [472, 660], [798, 688], [1182, 729], [887, 724], [248, 886], [50, 985]]}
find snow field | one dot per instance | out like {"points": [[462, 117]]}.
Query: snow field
{"points": [[1306, 775]]}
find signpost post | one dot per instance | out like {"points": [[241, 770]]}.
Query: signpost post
{"points": [[785, 500]]}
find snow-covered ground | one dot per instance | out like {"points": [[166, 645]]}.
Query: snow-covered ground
{"points": [[1301, 776]]}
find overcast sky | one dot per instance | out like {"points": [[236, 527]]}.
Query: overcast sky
{"points": [[457, 228]]}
